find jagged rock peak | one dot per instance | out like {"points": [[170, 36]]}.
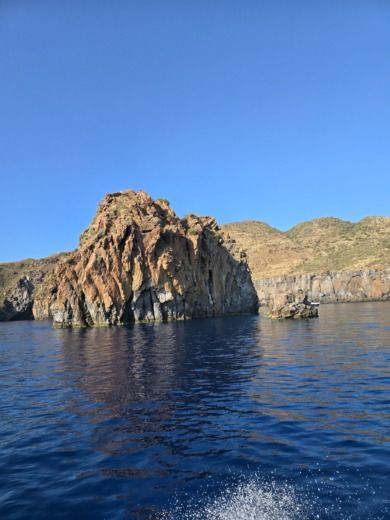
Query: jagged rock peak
{"points": [[138, 261], [120, 209]]}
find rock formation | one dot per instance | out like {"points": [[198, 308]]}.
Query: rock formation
{"points": [[294, 306], [330, 287], [139, 262]]}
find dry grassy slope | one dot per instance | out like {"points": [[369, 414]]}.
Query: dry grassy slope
{"points": [[320, 245]]}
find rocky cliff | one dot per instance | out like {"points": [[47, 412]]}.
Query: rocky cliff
{"points": [[331, 287], [330, 259], [139, 262]]}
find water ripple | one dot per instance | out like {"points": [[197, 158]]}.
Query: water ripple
{"points": [[228, 419]]}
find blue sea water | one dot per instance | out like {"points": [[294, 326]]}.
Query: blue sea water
{"points": [[238, 418]]}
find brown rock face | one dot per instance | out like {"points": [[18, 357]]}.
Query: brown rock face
{"points": [[138, 262]]}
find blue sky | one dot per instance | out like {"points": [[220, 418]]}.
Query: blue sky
{"points": [[270, 110]]}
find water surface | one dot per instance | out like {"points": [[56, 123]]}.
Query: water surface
{"points": [[238, 418]]}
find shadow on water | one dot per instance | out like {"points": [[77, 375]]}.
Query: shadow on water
{"points": [[230, 419]]}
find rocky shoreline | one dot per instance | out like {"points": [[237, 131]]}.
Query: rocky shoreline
{"points": [[139, 262], [330, 287]]}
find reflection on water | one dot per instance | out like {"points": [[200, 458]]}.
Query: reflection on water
{"points": [[198, 420]]}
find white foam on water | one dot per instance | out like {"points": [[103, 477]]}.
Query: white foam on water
{"points": [[247, 500]]}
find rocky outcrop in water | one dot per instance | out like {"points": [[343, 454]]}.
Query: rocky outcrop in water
{"points": [[139, 262], [330, 287], [292, 306]]}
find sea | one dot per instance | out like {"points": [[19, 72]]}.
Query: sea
{"points": [[237, 418]]}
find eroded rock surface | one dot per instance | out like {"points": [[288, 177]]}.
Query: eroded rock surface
{"points": [[330, 287], [18, 303], [139, 262]]}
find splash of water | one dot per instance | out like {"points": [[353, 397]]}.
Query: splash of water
{"points": [[247, 500]]}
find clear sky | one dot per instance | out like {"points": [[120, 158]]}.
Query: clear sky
{"points": [[266, 109]]}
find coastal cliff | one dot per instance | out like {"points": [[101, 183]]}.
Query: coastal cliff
{"points": [[331, 260], [139, 262], [331, 287]]}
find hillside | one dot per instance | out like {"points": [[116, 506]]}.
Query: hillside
{"points": [[316, 246]]}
